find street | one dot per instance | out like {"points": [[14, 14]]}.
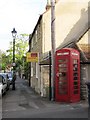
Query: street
{"points": [[25, 103]]}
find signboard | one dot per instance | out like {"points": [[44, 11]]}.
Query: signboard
{"points": [[32, 57]]}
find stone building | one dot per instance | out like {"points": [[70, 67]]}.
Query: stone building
{"points": [[35, 45], [71, 30]]}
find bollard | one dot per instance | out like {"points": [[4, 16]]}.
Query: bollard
{"points": [[88, 85]]}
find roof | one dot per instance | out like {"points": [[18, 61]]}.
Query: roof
{"points": [[31, 35], [83, 25], [86, 49]]}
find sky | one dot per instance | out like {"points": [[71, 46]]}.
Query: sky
{"points": [[19, 14]]}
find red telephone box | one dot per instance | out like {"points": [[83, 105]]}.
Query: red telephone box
{"points": [[67, 77]]}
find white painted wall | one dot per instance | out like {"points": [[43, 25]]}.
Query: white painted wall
{"points": [[67, 13]]}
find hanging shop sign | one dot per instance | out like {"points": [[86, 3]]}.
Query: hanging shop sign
{"points": [[32, 57]]}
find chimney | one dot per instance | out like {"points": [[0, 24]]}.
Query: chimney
{"points": [[82, 11], [48, 4], [56, 1]]}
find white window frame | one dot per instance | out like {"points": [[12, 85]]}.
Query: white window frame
{"points": [[36, 35], [36, 70], [31, 70], [32, 43]]}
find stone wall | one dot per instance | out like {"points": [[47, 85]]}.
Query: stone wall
{"points": [[45, 81], [83, 80], [36, 46]]}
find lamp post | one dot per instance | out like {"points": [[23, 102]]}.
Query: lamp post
{"points": [[14, 33]]}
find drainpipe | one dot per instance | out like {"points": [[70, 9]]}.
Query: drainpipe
{"points": [[50, 75], [53, 48]]}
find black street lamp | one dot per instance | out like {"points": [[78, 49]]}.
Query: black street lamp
{"points": [[14, 33]]}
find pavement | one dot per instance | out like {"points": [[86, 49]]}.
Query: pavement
{"points": [[25, 102]]}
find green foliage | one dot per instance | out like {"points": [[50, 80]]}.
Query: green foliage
{"points": [[21, 47], [3, 60]]}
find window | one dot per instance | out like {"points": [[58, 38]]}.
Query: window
{"points": [[32, 43], [36, 35], [36, 70], [31, 70]]}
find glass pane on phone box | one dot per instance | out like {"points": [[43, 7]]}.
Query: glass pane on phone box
{"points": [[75, 65], [62, 65], [62, 60], [62, 78], [75, 78], [76, 92], [75, 61], [75, 69], [62, 74], [62, 92], [75, 87], [62, 69], [75, 83], [75, 74]]}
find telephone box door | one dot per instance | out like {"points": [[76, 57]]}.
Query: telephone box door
{"points": [[62, 82]]}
